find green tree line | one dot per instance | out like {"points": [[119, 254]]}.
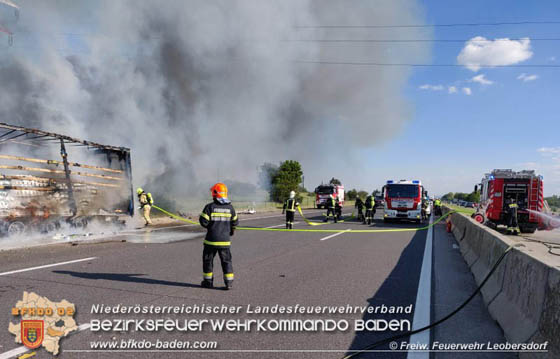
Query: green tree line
{"points": [[460, 196]]}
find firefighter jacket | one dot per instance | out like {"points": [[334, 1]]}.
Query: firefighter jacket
{"points": [[220, 219], [290, 205], [512, 209], [145, 199], [370, 202], [359, 203], [331, 203]]}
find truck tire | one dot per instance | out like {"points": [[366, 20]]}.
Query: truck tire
{"points": [[80, 222], [16, 228], [527, 229]]}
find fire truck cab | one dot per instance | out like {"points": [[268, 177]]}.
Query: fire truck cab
{"points": [[323, 192], [499, 187], [403, 200]]}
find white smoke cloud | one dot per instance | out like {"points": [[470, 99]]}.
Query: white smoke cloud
{"points": [[209, 89]]}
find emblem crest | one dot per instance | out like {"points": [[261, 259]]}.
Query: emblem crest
{"points": [[32, 333]]}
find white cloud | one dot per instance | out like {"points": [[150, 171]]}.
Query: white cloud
{"points": [[481, 80], [524, 77], [431, 87], [467, 91], [550, 151], [552, 58], [452, 89], [479, 51]]}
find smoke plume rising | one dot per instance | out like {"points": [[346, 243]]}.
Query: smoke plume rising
{"points": [[209, 89]]}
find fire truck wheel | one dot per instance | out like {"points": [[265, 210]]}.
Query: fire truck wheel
{"points": [[524, 229], [16, 228], [479, 218]]}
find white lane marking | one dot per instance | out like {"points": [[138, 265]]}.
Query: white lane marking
{"points": [[14, 352], [18, 351], [336, 234], [47, 266], [280, 225], [423, 301]]}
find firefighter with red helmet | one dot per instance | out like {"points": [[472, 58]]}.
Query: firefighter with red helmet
{"points": [[220, 220]]}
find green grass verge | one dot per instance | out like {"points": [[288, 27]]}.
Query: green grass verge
{"points": [[459, 208]]}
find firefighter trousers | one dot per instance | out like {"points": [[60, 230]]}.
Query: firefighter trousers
{"points": [[208, 255], [512, 221], [370, 213], [146, 214], [330, 211], [290, 219], [360, 214]]}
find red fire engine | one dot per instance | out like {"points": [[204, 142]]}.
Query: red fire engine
{"points": [[496, 190], [324, 191], [403, 200]]}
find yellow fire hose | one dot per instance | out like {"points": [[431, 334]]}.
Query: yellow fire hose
{"points": [[316, 223]]}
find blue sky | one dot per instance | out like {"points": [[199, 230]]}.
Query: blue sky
{"points": [[455, 138]]}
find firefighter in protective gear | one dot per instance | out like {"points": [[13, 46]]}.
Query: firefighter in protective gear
{"points": [[424, 211], [370, 209], [360, 206], [220, 220], [290, 209], [331, 208], [437, 207], [146, 202], [512, 225], [338, 209]]}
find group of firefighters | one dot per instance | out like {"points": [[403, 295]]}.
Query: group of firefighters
{"points": [[369, 205], [220, 219]]}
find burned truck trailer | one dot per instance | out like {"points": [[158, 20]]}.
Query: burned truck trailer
{"points": [[48, 180]]}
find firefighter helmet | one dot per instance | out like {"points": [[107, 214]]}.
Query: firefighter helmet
{"points": [[219, 190], [292, 194], [139, 190]]}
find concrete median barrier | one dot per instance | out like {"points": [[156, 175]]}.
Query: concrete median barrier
{"points": [[523, 295]]}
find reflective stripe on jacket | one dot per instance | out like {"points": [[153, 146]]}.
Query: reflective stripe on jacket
{"points": [[290, 205], [219, 218]]}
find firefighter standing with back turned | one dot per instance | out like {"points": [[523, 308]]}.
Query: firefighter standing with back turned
{"points": [[437, 207], [220, 219], [512, 225], [290, 209], [360, 206], [146, 203], [370, 209], [331, 208]]}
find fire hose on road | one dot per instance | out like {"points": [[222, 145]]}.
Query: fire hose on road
{"points": [[311, 223]]}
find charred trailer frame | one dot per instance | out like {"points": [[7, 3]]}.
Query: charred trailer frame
{"points": [[41, 191]]}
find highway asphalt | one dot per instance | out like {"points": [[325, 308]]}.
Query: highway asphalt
{"points": [[163, 268]]}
